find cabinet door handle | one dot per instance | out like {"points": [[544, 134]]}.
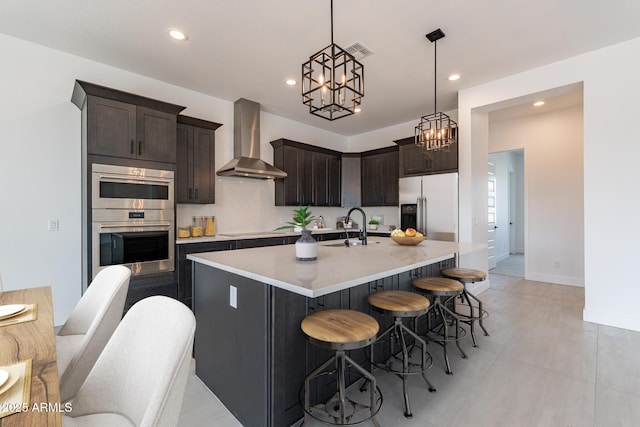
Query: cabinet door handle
{"points": [[140, 148], [190, 193], [196, 194], [131, 146]]}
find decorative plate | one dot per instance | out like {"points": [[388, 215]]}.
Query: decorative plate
{"points": [[12, 378], [11, 310]]}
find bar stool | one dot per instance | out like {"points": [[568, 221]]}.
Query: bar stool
{"points": [[464, 276], [402, 305], [442, 290], [341, 330]]}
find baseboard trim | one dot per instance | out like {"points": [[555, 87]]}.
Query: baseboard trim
{"points": [[558, 280], [478, 287], [611, 319]]}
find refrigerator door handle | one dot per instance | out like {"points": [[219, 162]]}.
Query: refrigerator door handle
{"points": [[424, 215], [419, 213]]}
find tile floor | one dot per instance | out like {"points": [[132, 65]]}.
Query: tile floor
{"points": [[513, 265], [541, 366]]}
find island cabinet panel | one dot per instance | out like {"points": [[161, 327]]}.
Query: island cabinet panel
{"points": [[414, 162], [379, 177], [195, 168], [313, 174], [232, 343], [291, 356]]}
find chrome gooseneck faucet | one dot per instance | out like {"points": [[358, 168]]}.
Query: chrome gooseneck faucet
{"points": [[364, 223]]}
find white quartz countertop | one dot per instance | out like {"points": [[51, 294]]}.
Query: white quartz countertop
{"points": [[338, 267]]}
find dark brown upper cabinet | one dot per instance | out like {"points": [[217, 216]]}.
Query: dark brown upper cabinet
{"points": [[313, 174], [127, 126], [379, 177], [414, 162], [195, 160]]}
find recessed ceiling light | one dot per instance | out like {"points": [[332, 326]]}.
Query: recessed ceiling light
{"points": [[176, 34], [357, 110], [291, 82], [454, 77], [538, 103]]}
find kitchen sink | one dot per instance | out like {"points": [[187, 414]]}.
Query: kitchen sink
{"points": [[351, 243]]}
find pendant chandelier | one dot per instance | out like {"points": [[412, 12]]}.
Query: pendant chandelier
{"points": [[332, 81], [436, 131]]}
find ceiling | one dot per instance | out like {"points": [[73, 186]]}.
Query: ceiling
{"points": [[244, 48]]}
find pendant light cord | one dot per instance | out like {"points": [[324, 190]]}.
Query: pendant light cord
{"points": [[332, 22], [435, 70]]}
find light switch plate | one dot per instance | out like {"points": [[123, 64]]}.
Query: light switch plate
{"points": [[233, 296]]}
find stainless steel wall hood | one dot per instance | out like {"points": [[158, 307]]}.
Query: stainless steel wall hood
{"points": [[246, 161]]}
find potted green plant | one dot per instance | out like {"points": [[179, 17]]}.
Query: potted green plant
{"points": [[373, 224], [306, 245]]}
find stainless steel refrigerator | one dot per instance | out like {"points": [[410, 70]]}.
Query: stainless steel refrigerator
{"points": [[436, 204]]}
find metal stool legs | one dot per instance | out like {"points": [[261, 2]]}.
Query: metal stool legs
{"points": [[397, 331], [337, 406], [472, 318], [443, 311]]}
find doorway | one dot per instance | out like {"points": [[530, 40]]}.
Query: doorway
{"points": [[506, 213]]}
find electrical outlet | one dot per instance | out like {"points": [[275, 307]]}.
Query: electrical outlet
{"points": [[54, 225], [233, 296]]}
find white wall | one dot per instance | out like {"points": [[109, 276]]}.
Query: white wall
{"points": [[611, 149], [40, 165], [553, 167]]}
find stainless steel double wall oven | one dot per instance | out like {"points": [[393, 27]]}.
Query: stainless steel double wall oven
{"points": [[133, 219]]}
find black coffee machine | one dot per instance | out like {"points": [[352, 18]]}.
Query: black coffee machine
{"points": [[408, 215]]}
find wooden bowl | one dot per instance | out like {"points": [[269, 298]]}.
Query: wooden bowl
{"points": [[407, 241]]}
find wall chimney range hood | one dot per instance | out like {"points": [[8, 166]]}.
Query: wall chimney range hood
{"points": [[246, 161]]}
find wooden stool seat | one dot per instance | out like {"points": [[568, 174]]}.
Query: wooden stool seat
{"points": [[464, 274], [340, 327], [438, 285], [399, 303]]}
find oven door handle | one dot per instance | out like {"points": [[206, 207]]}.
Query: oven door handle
{"points": [[163, 224], [135, 180]]}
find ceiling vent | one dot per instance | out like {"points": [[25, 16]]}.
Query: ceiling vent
{"points": [[358, 50]]}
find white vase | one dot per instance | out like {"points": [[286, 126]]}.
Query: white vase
{"points": [[306, 247]]}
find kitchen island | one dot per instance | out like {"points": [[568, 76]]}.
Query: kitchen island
{"points": [[249, 348]]}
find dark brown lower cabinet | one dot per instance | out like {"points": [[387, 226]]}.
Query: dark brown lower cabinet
{"points": [[147, 285], [184, 266]]}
